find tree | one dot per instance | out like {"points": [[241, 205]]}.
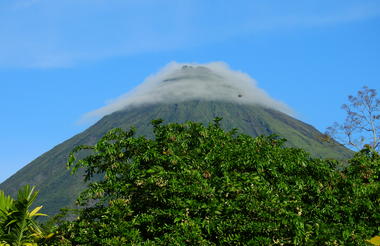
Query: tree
{"points": [[17, 223], [199, 185], [362, 123]]}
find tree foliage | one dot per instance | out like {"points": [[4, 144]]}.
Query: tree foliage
{"points": [[362, 123], [17, 223], [199, 185]]}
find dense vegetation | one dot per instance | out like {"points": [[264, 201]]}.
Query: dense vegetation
{"points": [[200, 185], [57, 188]]}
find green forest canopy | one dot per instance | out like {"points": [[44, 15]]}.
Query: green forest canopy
{"points": [[200, 185]]}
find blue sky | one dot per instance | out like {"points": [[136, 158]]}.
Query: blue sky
{"points": [[62, 59]]}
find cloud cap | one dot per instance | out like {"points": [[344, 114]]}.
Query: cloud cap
{"points": [[178, 82]]}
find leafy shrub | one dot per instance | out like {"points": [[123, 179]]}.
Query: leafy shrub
{"points": [[17, 223], [200, 185]]}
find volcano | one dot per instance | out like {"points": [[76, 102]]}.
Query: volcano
{"points": [[180, 93]]}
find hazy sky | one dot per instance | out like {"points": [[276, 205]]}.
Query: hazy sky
{"points": [[62, 59]]}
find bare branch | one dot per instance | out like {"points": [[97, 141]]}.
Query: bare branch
{"points": [[362, 124]]}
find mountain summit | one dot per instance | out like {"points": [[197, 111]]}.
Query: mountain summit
{"points": [[184, 82], [179, 93]]}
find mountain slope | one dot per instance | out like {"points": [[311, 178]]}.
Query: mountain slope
{"points": [[58, 188]]}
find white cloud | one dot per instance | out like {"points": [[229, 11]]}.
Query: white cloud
{"points": [[182, 82], [319, 15], [44, 33], [25, 3]]}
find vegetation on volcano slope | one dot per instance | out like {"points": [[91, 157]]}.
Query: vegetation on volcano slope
{"points": [[59, 189], [200, 185]]}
